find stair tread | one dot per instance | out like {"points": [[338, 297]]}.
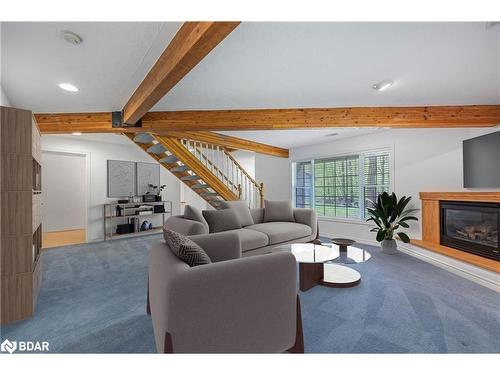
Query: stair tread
{"points": [[200, 186], [181, 168], [208, 193], [168, 159], [157, 149], [190, 178], [143, 138]]}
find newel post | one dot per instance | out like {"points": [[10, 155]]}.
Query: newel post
{"points": [[261, 192]]}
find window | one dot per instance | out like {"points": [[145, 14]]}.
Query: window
{"points": [[303, 185], [376, 176], [339, 187]]}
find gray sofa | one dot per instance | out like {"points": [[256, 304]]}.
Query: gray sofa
{"points": [[233, 305], [261, 236]]}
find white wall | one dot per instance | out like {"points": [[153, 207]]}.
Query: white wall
{"points": [[423, 160], [99, 149], [275, 173], [4, 99], [246, 159]]}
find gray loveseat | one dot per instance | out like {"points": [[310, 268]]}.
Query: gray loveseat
{"points": [[232, 305], [259, 237]]}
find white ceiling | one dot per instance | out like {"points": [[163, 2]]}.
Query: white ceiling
{"points": [[303, 137], [107, 67], [259, 65], [273, 65]]}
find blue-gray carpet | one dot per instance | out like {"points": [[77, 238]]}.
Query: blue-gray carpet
{"points": [[93, 301]]}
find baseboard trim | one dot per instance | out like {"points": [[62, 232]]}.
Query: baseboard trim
{"points": [[470, 272]]}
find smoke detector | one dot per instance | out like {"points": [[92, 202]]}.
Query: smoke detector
{"points": [[71, 37]]}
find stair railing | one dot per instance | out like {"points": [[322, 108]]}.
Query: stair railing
{"points": [[227, 169]]}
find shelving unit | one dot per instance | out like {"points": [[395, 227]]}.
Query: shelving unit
{"points": [[21, 214], [111, 218]]}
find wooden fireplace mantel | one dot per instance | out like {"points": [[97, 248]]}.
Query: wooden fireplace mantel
{"points": [[431, 225]]}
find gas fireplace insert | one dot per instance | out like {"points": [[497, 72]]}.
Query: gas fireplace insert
{"points": [[471, 227]]}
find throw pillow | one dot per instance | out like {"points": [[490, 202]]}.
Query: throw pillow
{"points": [[278, 211], [221, 220], [185, 249], [193, 213], [242, 211]]}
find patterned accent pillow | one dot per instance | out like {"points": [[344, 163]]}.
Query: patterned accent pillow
{"points": [[185, 249]]}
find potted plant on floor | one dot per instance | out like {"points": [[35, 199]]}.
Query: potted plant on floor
{"points": [[390, 214]]}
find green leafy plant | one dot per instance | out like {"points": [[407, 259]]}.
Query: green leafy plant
{"points": [[390, 214]]}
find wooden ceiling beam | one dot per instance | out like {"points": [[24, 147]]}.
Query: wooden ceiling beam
{"points": [[190, 45], [64, 123], [228, 142], [302, 118], [269, 119]]}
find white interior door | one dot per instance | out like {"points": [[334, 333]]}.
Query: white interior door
{"points": [[63, 191]]}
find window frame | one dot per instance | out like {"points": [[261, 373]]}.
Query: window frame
{"points": [[362, 153]]}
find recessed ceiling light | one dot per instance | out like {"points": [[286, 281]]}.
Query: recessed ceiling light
{"points": [[76, 133], [382, 85], [68, 87], [71, 37]]}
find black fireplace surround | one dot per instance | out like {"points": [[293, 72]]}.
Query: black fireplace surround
{"points": [[471, 227]]}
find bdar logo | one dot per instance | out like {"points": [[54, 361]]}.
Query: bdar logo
{"points": [[8, 346]]}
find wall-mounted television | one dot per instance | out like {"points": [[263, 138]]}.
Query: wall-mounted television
{"points": [[482, 161]]}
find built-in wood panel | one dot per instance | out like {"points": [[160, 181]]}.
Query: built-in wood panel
{"points": [[20, 268], [463, 196], [16, 131], [16, 213], [16, 172], [430, 221], [476, 260], [431, 230], [17, 254], [17, 297]]}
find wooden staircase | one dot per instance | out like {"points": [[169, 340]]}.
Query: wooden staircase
{"points": [[210, 170]]}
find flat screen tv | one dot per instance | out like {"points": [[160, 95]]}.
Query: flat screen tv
{"points": [[482, 161]]}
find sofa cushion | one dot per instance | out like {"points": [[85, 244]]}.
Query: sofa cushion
{"points": [[185, 249], [221, 220], [282, 231], [278, 211], [242, 211], [250, 239], [193, 213]]}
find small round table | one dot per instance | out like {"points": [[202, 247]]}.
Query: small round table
{"points": [[348, 254]]}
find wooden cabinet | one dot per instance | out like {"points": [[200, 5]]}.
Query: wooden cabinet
{"points": [[21, 213]]}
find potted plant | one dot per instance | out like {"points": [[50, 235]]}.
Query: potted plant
{"points": [[390, 214], [159, 190]]}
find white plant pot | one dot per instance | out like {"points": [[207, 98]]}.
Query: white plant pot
{"points": [[389, 246]]}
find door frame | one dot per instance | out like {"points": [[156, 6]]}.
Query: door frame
{"points": [[56, 150]]}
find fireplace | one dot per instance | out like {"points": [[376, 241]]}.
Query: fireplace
{"points": [[471, 227]]}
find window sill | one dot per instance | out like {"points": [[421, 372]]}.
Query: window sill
{"points": [[344, 220]]}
